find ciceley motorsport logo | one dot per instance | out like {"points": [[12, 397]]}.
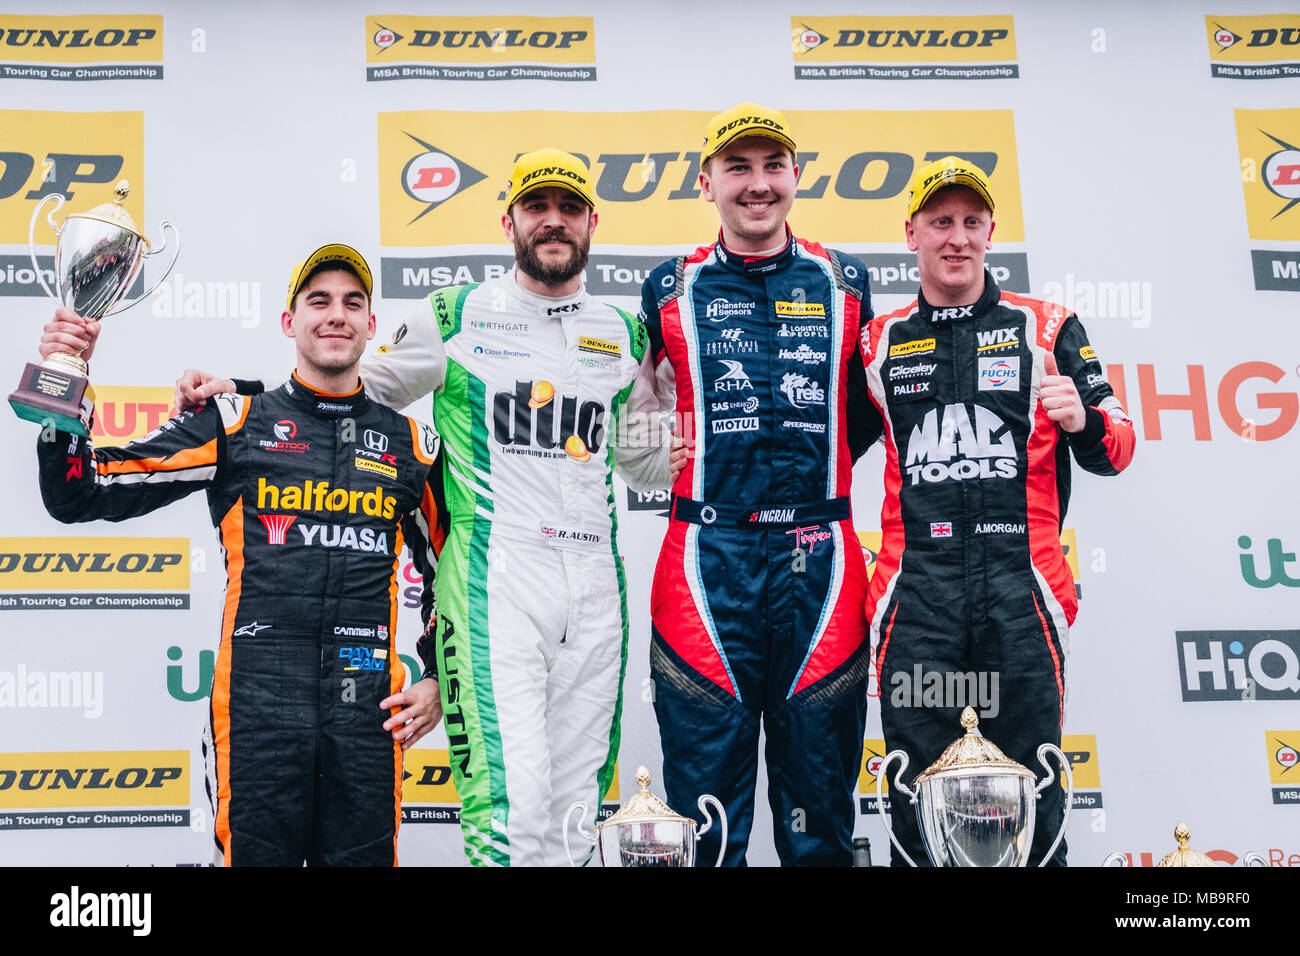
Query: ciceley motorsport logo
{"points": [[443, 174], [79, 155], [116, 47], [91, 573], [1268, 142], [95, 789], [480, 48], [904, 48], [1283, 756], [1254, 48]]}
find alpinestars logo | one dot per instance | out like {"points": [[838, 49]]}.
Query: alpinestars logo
{"points": [[432, 177], [1282, 173], [800, 392], [734, 379], [960, 445]]}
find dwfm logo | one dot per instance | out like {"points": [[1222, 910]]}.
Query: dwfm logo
{"points": [[480, 48], [647, 166], [903, 48], [1254, 48], [123, 47]]}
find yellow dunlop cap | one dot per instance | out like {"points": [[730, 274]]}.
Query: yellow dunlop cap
{"points": [[549, 167], [334, 252], [949, 171], [745, 119]]}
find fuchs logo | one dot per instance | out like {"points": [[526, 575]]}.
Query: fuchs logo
{"points": [[383, 38], [433, 176], [1239, 665], [802, 354], [995, 340], [375, 441], [527, 417], [999, 374], [960, 446], [800, 392], [276, 526], [720, 309], [734, 379], [1282, 169]]}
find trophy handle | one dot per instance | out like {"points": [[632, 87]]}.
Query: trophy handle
{"points": [[1252, 858], [31, 236], [1115, 859], [122, 304], [704, 800], [1043, 751], [899, 786], [582, 813]]}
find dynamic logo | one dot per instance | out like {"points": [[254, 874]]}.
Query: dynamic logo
{"points": [[904, 48], [121, 47], [999, 374], [480, 48], [1254, 48], [1239, 665]]}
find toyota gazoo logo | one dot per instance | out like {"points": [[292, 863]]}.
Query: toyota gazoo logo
{"points": [[433, 176], [285, 430], [1225, 38], [807, 39], [376, 441], [1282, 173], [384, 37]]}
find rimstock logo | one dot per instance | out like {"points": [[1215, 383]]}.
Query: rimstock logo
{"points": [[1268, 142], [79, 155], [904, 48], [94, 573], [1254, 48], [1283, 756], [118, 47], [480, 48], [1239, 665], [40, 791]]}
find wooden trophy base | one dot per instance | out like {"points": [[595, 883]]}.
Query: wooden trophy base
{"points": [[51, 395]]}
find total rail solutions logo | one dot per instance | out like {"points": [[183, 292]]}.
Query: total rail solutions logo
{"points": [[1254, 48], [94, 789], [1268, 142], [119, 47], [904, 48], [93, 573], [1283, 757], [480, 48]]}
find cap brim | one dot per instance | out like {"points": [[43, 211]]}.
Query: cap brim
{"points": [[565, 184], [764, 133], [957, 179]]}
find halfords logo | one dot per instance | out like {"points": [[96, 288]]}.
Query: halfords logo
{"points": [[1254, 48], [75, 563], [1239, 665], [909, 47], [960, 445], [319, 496], [648, 163], [110, 778], [480, 48], [65, 47]]}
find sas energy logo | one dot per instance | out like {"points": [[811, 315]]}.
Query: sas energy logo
{"points": [[1283, 756], [904, 48], [119, 47], [480, 48], [1239, 665], [1254, 48], [40, 791], [1268, 142]]}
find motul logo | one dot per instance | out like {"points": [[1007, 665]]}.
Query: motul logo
{"points": [[960, 446]]}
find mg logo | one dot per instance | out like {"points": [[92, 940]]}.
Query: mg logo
{"points": [[375, 441]]}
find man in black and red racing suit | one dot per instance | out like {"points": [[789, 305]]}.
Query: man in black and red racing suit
{"points": [[984, 394], [306, 487]]}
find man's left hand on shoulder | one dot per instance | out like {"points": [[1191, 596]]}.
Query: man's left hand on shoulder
{"points": [[421, 712], [1057, 393]]}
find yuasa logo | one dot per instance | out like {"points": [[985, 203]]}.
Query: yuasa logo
{"points": [[433, 176], [960, 446], [1239, 665]]}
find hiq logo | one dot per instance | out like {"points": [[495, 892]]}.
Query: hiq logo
{"points": [[1239, 665]]}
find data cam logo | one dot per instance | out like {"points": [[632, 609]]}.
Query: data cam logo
{"points": [[1283, 757], [1254, 48]]}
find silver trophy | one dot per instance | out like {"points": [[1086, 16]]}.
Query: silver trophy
{"points": [[975, 806], [645, 832], [98, 257], [1184, 855]]}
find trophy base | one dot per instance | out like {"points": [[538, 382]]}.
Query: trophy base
{"points": [[46, 395]]}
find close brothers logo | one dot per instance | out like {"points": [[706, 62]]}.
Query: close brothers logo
{"points": [[1254, 48], [1268, 142], [118, 47], [904, 48], [480, 48], [92, 789], [1283, 756], [93, 573]]}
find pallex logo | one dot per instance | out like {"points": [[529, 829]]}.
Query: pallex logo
{"points": [[116, 47], [107, 778], [1081, 751], [873, 757], [1254, 48], [79, 155], [1283, 757], [1239, 665], [904, 48], [124, 413], [480, 48], [647, 165]]}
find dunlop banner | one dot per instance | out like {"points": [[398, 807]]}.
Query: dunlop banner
{"points": [[124, 573], [116, 47], [1254, 48], [491, 47], [80, 155], [904, 48], [1268, 142], [97, 778]]}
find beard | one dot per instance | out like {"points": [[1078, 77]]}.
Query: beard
{"points": [[555, 274]]}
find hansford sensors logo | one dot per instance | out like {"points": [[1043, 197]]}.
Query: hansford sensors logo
{"points": [[480, 48], [1254, 48], [904, 48], [119, 47], [40, 791], [1239, 665], [96, 573]]}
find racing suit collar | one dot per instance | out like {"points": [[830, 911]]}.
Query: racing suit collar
{"points": [[990, 296], [325, 404], [739, 262], [545, 305]]}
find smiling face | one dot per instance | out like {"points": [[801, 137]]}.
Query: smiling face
{"points": [[551, 230], [951, 235], [330, 324], [752, 182]]}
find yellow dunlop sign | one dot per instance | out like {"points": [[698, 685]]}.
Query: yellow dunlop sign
{"points": [[904, 48], [60, 564], [1070, 545], [80, 155], [487, 47], [873, 755], [50, 48], [97, 778], [1254, 48], [1269, 144], [442, 175], [124, 413], [428, 779], [870, 541], [1283, 756], [1081, 751]]}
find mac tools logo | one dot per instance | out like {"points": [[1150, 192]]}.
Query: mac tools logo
{"points": [[961, 445], [432, 177]]}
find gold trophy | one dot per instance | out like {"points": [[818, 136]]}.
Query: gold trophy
{"points": [[1185, 855], [98, 257]]}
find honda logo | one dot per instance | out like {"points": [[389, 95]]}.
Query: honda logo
{"points": [[376, 441]]}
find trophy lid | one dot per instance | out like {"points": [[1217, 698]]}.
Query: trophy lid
{"points": [[644, 806], [114, 213], [972, 751], [1185, 855]]}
